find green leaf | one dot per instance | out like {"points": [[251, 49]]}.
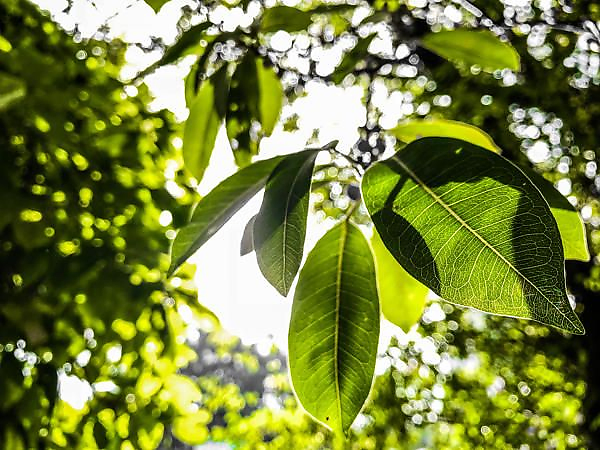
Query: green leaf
{"points": [[473, 47], [402, 298], [202, 126], [334, 328], [285, 18], [280, 226], [214, 210], [242, 109], [270, 96], [570, 225], [415, 129], [247, 243], [352, 58], [473, 228], [156, 5], [11, 90]]}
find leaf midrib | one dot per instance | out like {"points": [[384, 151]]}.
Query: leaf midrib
{"points": [[460, 220], [285, 222], [338, 289]]}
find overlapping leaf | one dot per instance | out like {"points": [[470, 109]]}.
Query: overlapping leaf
{"points": [[473, 228], [280, 226], [334, 328], [570, 225], [247, 242], [214, 210], [415, 129], [204, 121], [402, 298], [473, 47]]}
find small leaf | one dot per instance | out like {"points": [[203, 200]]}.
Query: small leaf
{"points": [[415, 129], [214, 210], [270, 96], [352, 58], [247, 243], [285, 18], [202, 126], [12, 90], [473, 47], [334, 329], [402, 298], [280, 226], [570, 225], [472, 227], [156, 5]]}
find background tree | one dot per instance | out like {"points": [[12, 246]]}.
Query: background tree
{"points": [[84, 175]]}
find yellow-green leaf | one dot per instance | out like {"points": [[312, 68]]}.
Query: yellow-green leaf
{"points": [[402, 298]]}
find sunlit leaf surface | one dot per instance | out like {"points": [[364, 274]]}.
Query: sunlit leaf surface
{"points": [[402, 298], [280, 226], [214, 210], [334, 328], [472, 227], [473, 48]]}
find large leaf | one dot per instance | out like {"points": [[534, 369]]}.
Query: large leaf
{"points": [[280, 226], [473, 228], [473, 47], [570, 225], [334, 328], [402, 298], [203, 123], [352, 58], [285, 18], [415, 129], [214, 210], [11, 90], [270, 96]]}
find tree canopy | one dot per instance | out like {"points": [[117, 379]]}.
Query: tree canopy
{"points": [[473, 183]]}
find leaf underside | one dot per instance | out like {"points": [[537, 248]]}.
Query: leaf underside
{"points": [[473, 228], [280, 225], [334, 328]]}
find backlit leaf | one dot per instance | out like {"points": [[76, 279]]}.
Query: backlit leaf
{"points": [[473, 47], [402, 298], [280, 226], [334, 328], [473, 228], [415, 129], [570, 225], [270, 96], [285, 18], [214, 210], [203, 123]]}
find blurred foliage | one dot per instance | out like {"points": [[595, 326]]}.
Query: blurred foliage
{"points": [[92, 186]]}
